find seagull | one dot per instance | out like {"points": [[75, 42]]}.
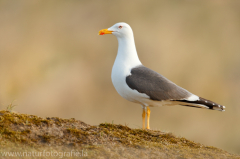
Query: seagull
{"points": [[141, 85]]}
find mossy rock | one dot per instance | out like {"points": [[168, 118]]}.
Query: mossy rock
{"points": [[25, 133]]}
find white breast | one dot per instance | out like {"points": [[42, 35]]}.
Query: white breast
{"points": [[120, 71]]}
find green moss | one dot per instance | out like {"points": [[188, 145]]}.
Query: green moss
{"points": [[76, 132], [25, 132], [46, 138], [106, 140]]}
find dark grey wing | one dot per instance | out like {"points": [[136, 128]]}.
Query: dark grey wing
{"points": [[156, 86]]}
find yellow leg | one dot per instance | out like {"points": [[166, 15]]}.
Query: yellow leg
{"points": [[143, 118], [148, 117]]}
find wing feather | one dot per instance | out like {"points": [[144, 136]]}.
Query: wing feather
{"points": [[156, 86]]}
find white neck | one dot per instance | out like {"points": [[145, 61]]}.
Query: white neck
{"points": [[126, 59], [127, 54]]}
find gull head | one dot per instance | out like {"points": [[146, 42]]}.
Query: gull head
{"points": [[120, 30]]}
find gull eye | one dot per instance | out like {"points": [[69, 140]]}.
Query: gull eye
{"points": [[120, 27]]}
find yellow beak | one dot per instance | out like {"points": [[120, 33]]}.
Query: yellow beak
{"points": [[104, 31]]}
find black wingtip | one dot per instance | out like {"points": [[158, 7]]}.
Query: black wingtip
{"points": [[211, 104], [204, 103]]}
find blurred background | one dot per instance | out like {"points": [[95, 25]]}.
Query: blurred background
{"points": [[53, 63]]}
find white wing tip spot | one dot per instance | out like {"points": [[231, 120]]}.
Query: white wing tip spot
{"points": [[193, 98]]}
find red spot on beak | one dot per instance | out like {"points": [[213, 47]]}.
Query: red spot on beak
{"points": [[101, 33]]}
